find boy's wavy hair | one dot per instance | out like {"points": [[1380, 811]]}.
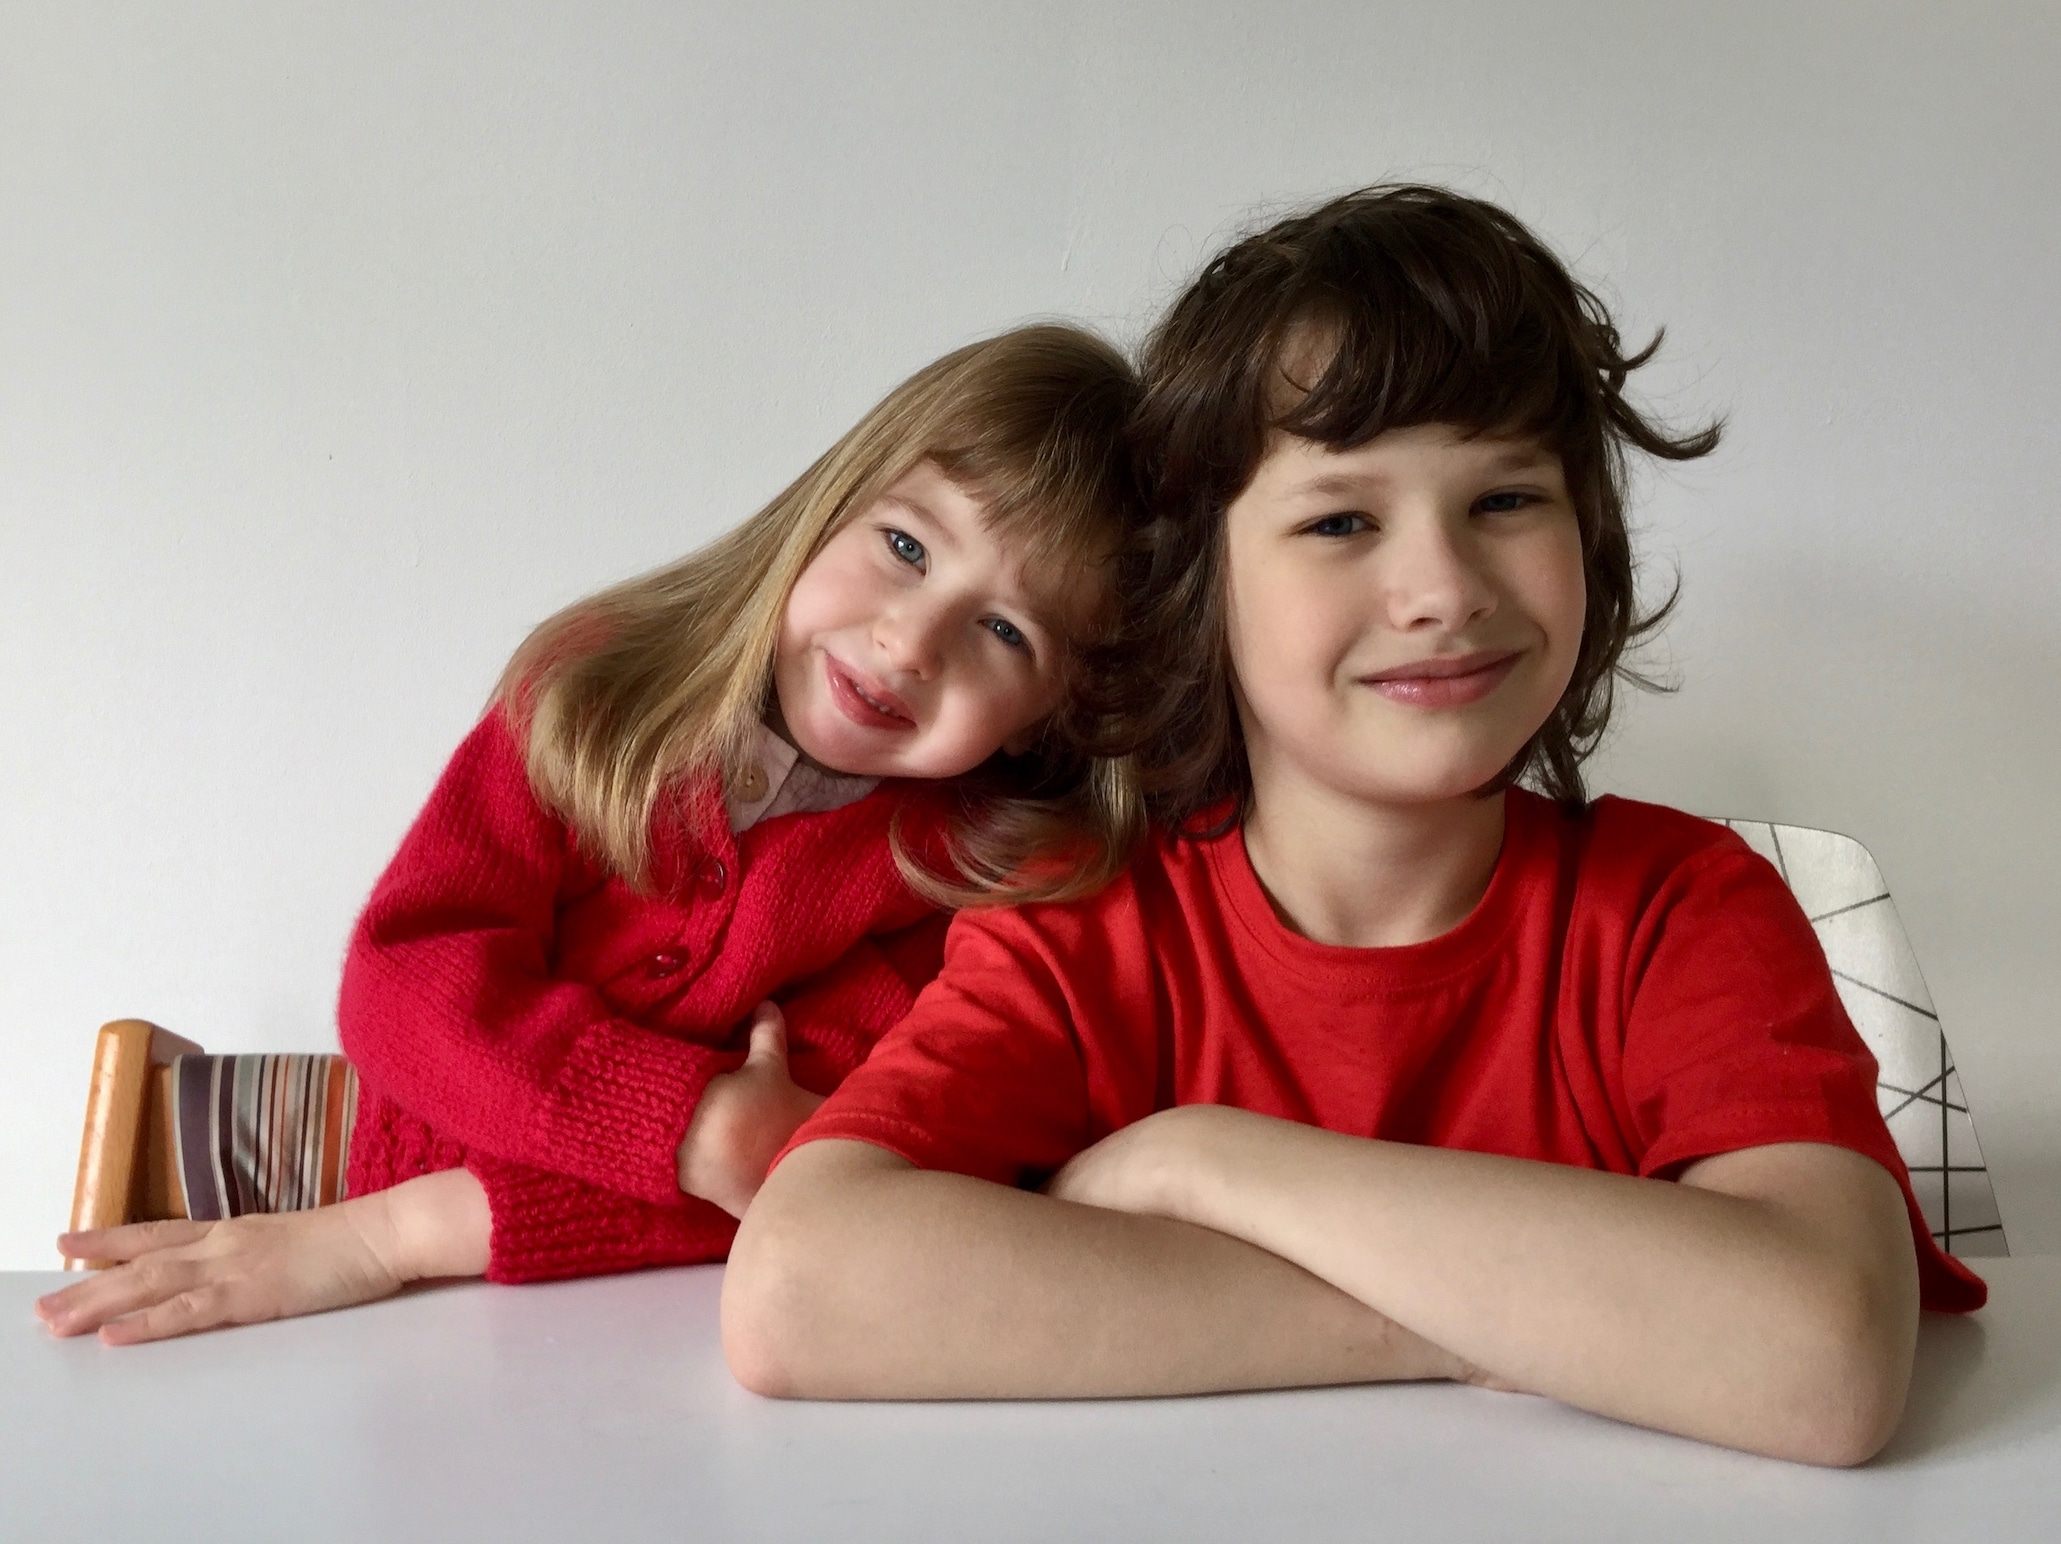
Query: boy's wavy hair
{"points": [[1409, 305], [624, 701]]}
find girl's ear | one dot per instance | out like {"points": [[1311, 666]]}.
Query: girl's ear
{"points": [[1020, 743]]}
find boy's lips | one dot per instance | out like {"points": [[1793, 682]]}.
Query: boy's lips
{"points": [[863, 700], [1449, 681]]}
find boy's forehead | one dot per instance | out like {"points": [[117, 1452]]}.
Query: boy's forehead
{"points": [[1293, 457]]}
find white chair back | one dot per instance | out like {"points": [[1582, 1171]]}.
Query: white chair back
{"points": [[1840, 888]]}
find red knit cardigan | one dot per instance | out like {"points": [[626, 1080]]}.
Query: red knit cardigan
{"points": [[512, 1007]]}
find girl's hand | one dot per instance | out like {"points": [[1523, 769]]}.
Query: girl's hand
{"points": [[178, 1277], [744, 1119]]}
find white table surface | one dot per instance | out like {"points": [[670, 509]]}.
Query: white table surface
{"points": [[602, 1410]]}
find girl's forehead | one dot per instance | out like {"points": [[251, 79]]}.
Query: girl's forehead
{"points": [[1065, 591]]}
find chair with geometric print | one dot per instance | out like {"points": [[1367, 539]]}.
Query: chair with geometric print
{"points": [[1837, 882]]}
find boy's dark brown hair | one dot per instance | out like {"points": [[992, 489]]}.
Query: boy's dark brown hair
{"points": [[1410, 305]]}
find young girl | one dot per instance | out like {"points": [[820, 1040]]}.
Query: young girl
{"points": [[695, 792], [1374, 1064]]}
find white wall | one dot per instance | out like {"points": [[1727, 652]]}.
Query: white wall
{"points": [[340, 343]]}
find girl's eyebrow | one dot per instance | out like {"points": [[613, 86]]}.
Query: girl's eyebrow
{"points": [[921, 514]]}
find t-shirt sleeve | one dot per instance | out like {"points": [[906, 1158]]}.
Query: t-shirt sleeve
{"points": [[1735, 1038], [985, 1076]]}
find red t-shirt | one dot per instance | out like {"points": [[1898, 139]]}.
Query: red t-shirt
{"points": [[1636, 990]]}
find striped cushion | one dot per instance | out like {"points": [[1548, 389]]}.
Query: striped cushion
{"points": [[261, 1133]]}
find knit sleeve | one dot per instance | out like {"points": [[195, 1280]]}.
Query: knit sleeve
{"points": [[450, 1008], [548, 1227]]}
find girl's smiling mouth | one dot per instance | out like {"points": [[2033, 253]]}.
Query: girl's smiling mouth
{"points": [[1450, 682], [863, 700]]}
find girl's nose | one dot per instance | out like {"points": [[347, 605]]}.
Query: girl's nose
{"points": [[1434, 577], [910, 639]]}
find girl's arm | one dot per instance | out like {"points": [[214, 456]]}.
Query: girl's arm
{"points": [[857, 1275], [179, 1277], [1768, 1301], [449, 1005], [176, 1278]]}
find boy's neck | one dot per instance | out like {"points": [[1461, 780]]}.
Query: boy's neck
{"points": [[1349, 871]]}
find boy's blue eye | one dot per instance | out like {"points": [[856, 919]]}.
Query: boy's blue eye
{"points": [[1338, 525], [1008, 632], [906, 547]]}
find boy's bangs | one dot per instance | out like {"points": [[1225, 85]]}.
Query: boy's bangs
{"points": [[1396, 360]]}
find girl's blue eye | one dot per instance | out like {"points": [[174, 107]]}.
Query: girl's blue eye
{"points": [[1008, 632], [1502, 503], [1338, 525], [906, 547]]}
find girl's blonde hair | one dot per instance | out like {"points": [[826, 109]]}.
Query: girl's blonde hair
{"points": [[624, 698]]}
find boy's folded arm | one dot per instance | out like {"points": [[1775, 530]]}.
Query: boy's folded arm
{"points": [[1768, 1300], [856, 1275]]}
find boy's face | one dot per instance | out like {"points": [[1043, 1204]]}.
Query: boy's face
{"points": [[914, 644], [1402, 616]]}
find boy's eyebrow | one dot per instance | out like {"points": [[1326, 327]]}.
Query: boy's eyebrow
{"points": [[1519, 454], [1511, 456], [1333, 484]]}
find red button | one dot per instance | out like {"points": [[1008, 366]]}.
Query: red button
{"points": [[665, 964], [712, 876]]}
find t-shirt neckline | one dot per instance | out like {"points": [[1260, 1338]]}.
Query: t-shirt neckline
{"points": [[1402, 967]]}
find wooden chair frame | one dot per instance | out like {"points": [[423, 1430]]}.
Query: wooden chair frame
{"points": [[128, 1171]]}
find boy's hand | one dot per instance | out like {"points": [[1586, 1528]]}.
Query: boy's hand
{"points": [[174, 1278], [1162, 1165], [744, 1118], [1141, 1168]]}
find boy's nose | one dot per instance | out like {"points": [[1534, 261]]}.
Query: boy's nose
{"points": [[1433, 578]]}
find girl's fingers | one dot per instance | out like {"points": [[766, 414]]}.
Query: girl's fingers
{"points": [[199, 1308], [768, 1035], [89, 1305], [131, 1240]]}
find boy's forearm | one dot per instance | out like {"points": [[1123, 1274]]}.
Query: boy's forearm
{"points": [[857, 1276], [1768, 1302]]}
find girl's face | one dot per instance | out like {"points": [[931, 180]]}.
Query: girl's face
{"points": [[914, 645], [1402, 616]]}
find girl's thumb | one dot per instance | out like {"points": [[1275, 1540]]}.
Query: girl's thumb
{"points": [[768, 1035]]}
